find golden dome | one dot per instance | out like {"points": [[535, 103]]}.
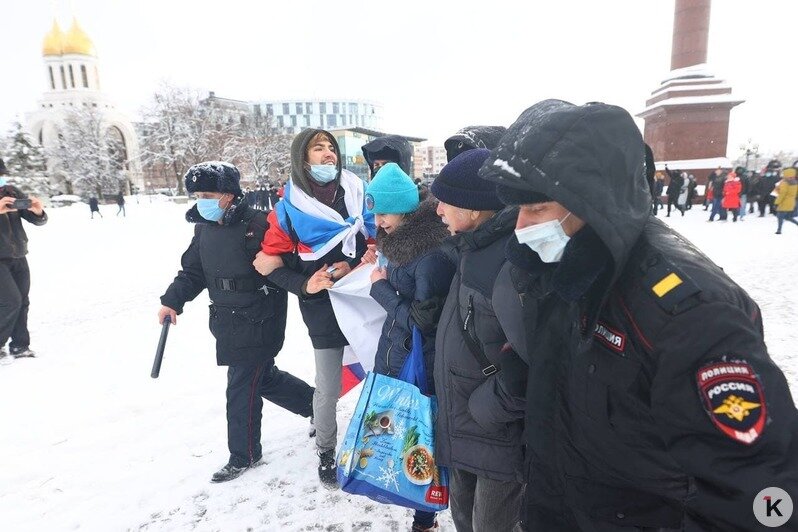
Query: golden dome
{"points": [[77, 42], [53, 41]]}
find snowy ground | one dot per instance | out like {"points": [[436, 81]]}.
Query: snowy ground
{"points": [[90, 442]]}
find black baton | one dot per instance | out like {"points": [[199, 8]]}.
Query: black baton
{"points": [[156, 365]]}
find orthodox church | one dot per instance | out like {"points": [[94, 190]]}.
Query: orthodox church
{"points": [[73, 80]]}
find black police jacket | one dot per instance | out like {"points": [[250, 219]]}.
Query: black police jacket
{"points": [[652, 402], [247, 313]]}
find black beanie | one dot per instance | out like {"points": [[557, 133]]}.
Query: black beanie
{"points": [[213, 176], [517, 196], [459, 183], [3, 170]]}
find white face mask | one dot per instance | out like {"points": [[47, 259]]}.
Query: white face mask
{"points": [[547, 239]]}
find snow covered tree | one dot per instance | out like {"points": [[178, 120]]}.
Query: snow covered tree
{"points": [[24, 160], [179, 130], [259, 150], [88, 156]]}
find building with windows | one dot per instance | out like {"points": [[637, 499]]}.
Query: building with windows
{"points": [[295, 115], [73, 81], [428, 161]]}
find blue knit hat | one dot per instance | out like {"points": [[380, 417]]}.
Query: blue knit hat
{"points": [[459, 183], [391, 192]]}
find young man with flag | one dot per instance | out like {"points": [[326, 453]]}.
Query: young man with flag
{"points": [[316, 234]]}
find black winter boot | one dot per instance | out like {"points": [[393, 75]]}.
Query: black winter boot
{"points": [[328, 472]]}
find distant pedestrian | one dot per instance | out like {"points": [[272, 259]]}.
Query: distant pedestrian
{"points": [[786, 200], [731, 195], [120, 201], [94, 206]]}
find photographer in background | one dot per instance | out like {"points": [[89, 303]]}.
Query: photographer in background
{"points": [[14, 271]]}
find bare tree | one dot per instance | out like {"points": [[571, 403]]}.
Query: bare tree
{"points": [[259, 150], [180, 130]]}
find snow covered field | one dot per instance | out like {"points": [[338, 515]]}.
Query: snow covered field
{"points": [[90, 442]]}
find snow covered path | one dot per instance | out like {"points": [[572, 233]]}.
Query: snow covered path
{"points": [[90, 442]]}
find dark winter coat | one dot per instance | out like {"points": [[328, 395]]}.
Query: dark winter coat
{"points": [[393, 148], [417, 270], [94, 205], [247, 314], [467, 434], [718, 183], [317, 311], [629, 420], [13, 240], [471, 137], [675, 185], [120, 199]]}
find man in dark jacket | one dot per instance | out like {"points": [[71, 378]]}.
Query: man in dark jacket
{"points": [[674, 190], [14, 271], [388, 149], [247, 314], [641, 415], [472, 137], [317, 234], [479, 426]]}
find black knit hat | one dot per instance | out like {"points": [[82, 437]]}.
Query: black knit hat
{"points": [[517, 196], [213, 176], [459, 183], [3, 169]]}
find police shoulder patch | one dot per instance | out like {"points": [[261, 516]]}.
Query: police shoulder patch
{"points": [[733, 398]]}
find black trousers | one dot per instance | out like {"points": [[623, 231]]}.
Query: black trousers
{"points": [[247, 386], [14, 302]]}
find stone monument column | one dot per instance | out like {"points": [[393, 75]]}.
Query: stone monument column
{"points": [[687, 116]]}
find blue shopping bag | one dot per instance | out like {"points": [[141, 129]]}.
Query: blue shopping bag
{"points": [[388, 453]]}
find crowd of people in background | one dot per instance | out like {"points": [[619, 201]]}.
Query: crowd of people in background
{"points": [[731, 193]]}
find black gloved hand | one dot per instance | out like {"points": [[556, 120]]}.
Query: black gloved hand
{"points": [[427, 313]]}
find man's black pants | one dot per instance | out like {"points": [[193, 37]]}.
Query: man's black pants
{"points": [[14, 302], [247, 386]]}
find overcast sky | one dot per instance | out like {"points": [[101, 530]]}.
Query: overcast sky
{"points": [[434, 65]]}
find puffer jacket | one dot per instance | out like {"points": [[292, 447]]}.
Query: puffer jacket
{"points": [[417, 270], [464, 439]]}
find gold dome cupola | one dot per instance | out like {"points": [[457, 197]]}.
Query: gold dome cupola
{"points": [[54, 41], [77, 42]]}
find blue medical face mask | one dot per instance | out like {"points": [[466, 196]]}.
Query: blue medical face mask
{"points": [[3, 181], [323, 173], [209, 209]]}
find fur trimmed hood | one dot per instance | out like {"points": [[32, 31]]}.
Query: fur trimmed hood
{"points": [[422, 231]]}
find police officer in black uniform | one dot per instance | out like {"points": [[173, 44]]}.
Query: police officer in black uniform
{"points": [[247, 314], [652, 402]]}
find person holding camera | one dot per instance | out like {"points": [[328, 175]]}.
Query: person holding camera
{"points": [[14, 272]]}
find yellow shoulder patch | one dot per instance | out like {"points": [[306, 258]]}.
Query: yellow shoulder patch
{"points": [[667, 284]]}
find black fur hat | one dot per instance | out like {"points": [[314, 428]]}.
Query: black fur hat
{"points": [[213, 176]]}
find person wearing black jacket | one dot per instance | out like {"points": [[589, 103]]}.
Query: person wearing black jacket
{"points": [[478, 431], [674, 190], [317, 233], [388, 149], [640, 413], [14, 270], [247, 314], [472, 137]]}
